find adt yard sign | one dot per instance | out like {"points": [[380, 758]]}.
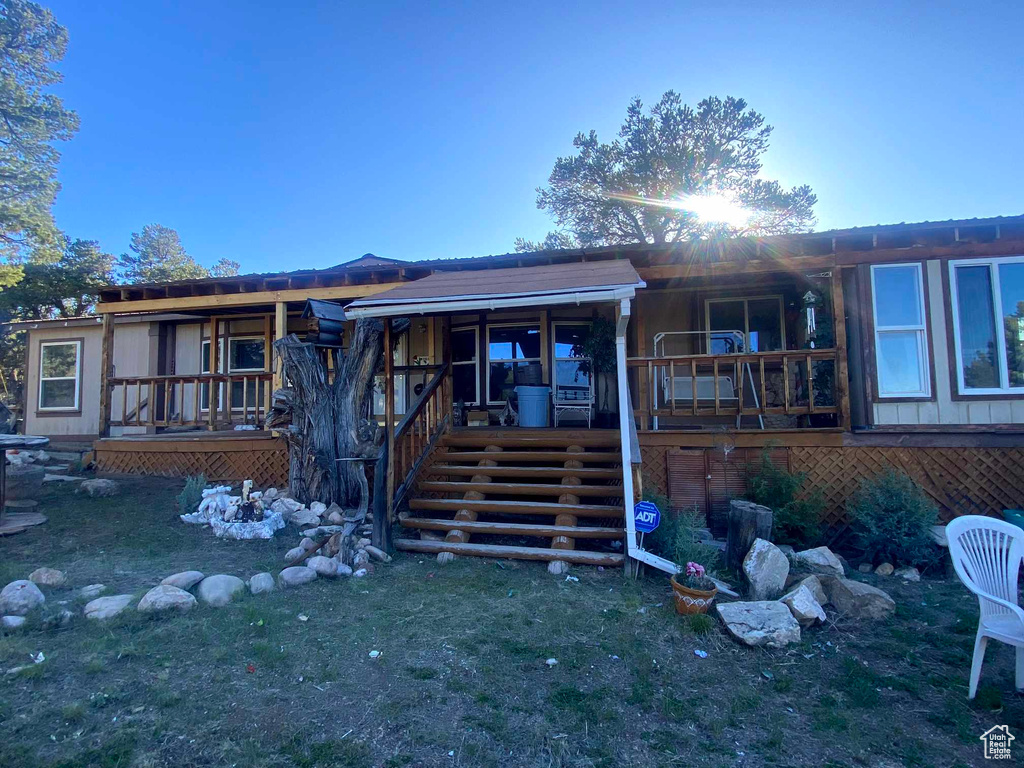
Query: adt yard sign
{"points": [[646, 516]]}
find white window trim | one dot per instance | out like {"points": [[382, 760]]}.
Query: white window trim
{"points": [[554, 350], [475, 362], [921, 329], [997, 308], [77, 377], [508, 360], [746, 318]]}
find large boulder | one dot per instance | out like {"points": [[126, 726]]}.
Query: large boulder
{"points": [[106, 607], [766, 569], [296, 576], [323, 566], [286, 508], [304, 517], [48, 577], [220, 589], [184, 579], [804, 607], [818, 560], [165, 598], [19, 597], [765, 622], [99, 487], [261, 582], [813, 583], [859, 600]]}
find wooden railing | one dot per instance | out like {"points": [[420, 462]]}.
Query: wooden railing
{"points": [[417, 433], [792, 383], [189, 400]]}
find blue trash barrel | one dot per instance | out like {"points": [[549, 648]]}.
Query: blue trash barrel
{"points": [[533, 405]]}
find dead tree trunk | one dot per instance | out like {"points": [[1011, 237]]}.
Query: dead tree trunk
{"points": [[329, 421]]}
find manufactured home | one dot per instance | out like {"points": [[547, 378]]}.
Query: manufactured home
{"points": [[840, 352]]}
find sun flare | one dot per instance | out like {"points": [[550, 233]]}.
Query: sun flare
{"points": [[714, 208]]}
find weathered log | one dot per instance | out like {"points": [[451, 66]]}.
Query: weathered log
{"points": [[747, 521]]}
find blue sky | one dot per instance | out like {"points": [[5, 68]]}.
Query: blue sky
{"points": [[290, 137]]}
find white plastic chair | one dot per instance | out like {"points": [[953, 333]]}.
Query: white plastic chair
{"points": [[987, 555]]}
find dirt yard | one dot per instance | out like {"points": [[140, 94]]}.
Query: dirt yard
{"points": [[462, 678]]}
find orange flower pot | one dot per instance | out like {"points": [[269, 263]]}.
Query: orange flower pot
{"points": [[690, 601]]}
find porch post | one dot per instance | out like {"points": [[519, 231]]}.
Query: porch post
{"points": [[447, 388], [106, 360], [280, 331], [389, 418], [214, 364], [839, 324]]}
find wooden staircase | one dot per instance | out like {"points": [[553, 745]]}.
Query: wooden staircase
{"points": [[543, 494]]}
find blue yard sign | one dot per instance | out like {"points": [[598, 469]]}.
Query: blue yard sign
{"points": [[646, 516]]}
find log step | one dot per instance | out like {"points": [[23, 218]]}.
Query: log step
{"points": [[584, 473], [459, 440], [521, 489], [512, 553], [604, 457], [516, 507], [512, 529]]}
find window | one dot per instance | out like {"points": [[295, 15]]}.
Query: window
{"points": [[60, 375], [988, 325], [901, 341], [399, 358], [205, 368], [745, 325], [513, 357], [466, 366], [245, 355], [572, 377]]}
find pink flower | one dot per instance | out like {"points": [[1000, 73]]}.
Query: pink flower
{"points": [[695, 569]]}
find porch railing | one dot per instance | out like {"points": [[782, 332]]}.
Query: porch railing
{"points": [[190, 400], [796, 383], [418, 431]]}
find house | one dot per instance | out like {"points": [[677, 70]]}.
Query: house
{"points": [[840, 352]]}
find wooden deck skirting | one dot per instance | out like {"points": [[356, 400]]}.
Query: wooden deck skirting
{"points": [[262, 459]]}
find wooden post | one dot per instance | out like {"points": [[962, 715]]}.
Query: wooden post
{"points": [[214, 362], [106, 360], [389, 418], [747, 521], [280, 331], [381, 535], [448, 390], [841, 372]]}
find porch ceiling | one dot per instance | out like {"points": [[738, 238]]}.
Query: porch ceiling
{"points": [[443, 292]]}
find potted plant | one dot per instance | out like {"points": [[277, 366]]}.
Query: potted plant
{"points": [[694, 591]]}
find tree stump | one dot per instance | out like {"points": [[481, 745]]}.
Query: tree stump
{"points": [[747, 521]]}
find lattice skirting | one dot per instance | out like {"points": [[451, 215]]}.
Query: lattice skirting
{"points": [[264, 461], [959, 480]]}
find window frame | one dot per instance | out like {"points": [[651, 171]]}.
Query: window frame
{"points": [[539, 360], [993, 264], [745, 299], [77, 378], [555, 359], [475, 362], [921, 329]]}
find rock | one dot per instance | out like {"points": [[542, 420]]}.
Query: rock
{"points": [[865, 568], [786, 549], [766, 568], [906, 573], [41, 456], [858, 600], [106, 607], [323, 566], [335, 518], [558, 567], [261, 582], [295, 553], [296, 576], [804, 607], [307, 544], [362, 543], [360, 573], [818, 560], [165, 598], [813, 583], [377, 554], [360, 558], [317, 508], [766, 622], [220, 589], [91, 591], [885, 569], [270, 495], [51, 478], [19, 597], [60, 619], [99, 487], [304, 517], [286, 507], [48, 577], [12, 622], [184, 580], [344, 570]]}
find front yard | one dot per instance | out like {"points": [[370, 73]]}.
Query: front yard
{"points": [[462, 678]]}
